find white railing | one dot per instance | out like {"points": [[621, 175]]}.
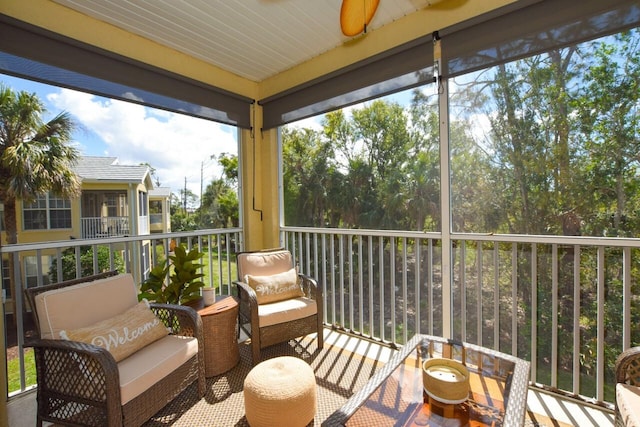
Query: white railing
{"points": [[563, 303], [103, 227], [135, 254]]}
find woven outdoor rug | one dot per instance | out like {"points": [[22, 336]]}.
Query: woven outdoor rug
{"points": [[339, 374]]}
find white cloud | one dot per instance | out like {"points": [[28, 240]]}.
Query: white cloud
{"points": [[308, 123], [177, 146]]}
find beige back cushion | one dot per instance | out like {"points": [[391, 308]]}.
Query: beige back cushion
{"points": [[276, 287], [265, 263], [124, 334], [82, 305]]}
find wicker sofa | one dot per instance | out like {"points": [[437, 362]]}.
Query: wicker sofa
{"points": [[628, 388], [80, 383], [275, 307]]}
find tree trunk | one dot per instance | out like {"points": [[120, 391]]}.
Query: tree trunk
{"points": [[11, 230]]}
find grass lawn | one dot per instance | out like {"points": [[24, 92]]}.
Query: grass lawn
{"points": [[13, 371], [216, 270], [221, 273]]}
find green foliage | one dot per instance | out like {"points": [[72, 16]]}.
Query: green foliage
{"points": [[229, 163], [182, 221], [219, 206], [184, 278], [545, 145], [556, 153], [35, 156], [86, 263]]}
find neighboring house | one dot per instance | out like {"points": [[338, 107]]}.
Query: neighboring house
{"points": [[117, 200], [160, 210]]}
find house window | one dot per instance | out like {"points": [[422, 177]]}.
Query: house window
{"points": [[6, 281], [155, 212], [31, 270], [143, 202], [47, 212]]}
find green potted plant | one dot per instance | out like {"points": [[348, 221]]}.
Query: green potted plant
{"points": [[184, 284]]}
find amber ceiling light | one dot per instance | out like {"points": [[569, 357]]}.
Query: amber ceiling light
{"points": [[355, 15]]}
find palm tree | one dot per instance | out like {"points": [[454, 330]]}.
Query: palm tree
{"points": [[34, 156]]}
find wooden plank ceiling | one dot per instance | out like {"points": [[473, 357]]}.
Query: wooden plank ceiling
{"points": [[255, 39]]}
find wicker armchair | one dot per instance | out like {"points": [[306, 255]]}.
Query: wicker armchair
{"points": [[627, 410], [79, 383], [290, 315]]}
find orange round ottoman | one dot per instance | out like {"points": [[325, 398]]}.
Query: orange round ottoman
{"points": [[280, 392]]}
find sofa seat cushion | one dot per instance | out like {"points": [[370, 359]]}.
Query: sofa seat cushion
{"points": [[628, 401], [286, 311], [82, 305], [124, 334], [149, 365]]}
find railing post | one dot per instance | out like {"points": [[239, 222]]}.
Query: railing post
{"points": [[445, 206]]}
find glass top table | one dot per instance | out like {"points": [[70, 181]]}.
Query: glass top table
{"points": [[395, 395]]}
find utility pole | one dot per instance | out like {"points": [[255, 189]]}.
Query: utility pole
{"points": [[184, 200], [201, 181]]}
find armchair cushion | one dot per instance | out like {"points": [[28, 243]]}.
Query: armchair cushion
{"points": [[151, 364], [286, 311], [628, 402], [91, 303], [81, 379], [123, 334], [275, 287], [264, 263]]}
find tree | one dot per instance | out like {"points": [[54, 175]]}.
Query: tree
{"points": [[153, 173], [305, 178], [229, 163], [422, 169], [35, 157], [610, 125], [86, 262], [381, 133], [220, 207]]}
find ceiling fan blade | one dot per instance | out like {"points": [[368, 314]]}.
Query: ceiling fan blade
{"points": [[355, 15]]}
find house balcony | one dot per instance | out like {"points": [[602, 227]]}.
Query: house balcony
{"points": [[103, 227], [529, 296], [114, 226]]}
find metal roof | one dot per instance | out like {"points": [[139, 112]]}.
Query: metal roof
{"points": [[109, 170]]}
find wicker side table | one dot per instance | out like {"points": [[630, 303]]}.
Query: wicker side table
{"points": [[219, 324]]}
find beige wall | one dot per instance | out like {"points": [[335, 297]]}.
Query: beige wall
{"points": [[261, 213]]}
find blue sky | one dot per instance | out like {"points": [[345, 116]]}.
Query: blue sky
{"points": [[177, 146]]}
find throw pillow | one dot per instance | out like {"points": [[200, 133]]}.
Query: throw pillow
{"points": [[124, 334], [276, 287]]}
